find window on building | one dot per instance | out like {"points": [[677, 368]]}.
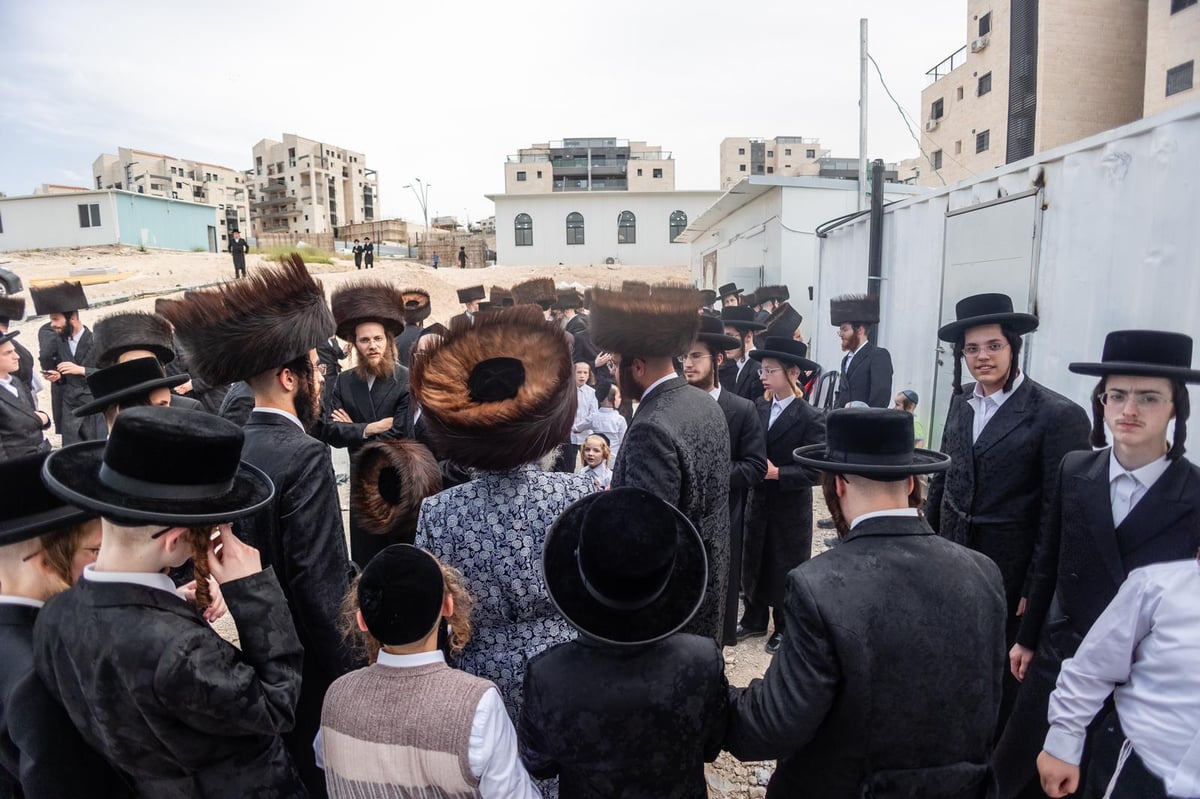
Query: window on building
{"points": [[983, 140], [787, 151], [958, 93], [937, 159], [1180, 5], [155, 187], [626, 228], [178, 185], [741, 167], [1179, 79], [985, 84], [770, 170], [678, 224], [770, 153], [539, 173], [98, 183], [639, 172], [958, 147], [89, 214], [657, 173], [810, 153], [985, 23], [937, 109], [574, 228], [741, 151], [520, 177], [141, 189], [523, 227], [174, 195]]}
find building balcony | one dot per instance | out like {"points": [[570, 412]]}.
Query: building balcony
{"points": [[599, 184], [948, 64], [528, 158]]}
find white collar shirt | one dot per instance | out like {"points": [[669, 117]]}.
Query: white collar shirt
{"points": [[8, 599], [986, 407], [1126, 488], [656, 384], [278, 412], [850, 356], [715, 393], [777, 408], [877, 514], [741, 363], [9, 383], [585, 406], [73, 341], [148, 579]]}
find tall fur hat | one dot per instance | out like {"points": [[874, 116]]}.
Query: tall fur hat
{"points": [[58, 298], [499, 393], [368, 301], [661, 323], [777, 293], [569, 298], [416, 306], [12, 309], [783, 321], [241, 329], [121, 332], [501, 297], [539, 291], [861, 308], [635, 287], [471, 294], [391, 477]]}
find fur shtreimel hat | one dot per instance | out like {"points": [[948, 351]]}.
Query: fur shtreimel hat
{"points": [[122, 332], [500, 393], [569, 298], [242, 329], [416, 306], [661, 323], [471, 294], [851, 308], [368, 301], [777, 293], [58, 298], [12, 309], [391, 477], [501, 297], [539, 291], [635, 287]]}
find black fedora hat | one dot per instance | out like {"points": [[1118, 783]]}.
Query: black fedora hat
{"points": [[712, 331], [986, 309], [161, 466], [729, 290], [787, 350], [741, 317], [123, 381], [871, 442], [1144, 353], [625, 567], [9, 336], [29, 509]]}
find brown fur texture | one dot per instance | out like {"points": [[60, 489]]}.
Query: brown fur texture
{"points": [[242, 329], [368, 301], [12, 309], [501, 297], [58, 298], [539, 291], [199, 538], [416, 306], [860, 308], [661, 324], [777, 293], [635, 287], [509, 433], [118, 333], [391, 478]]}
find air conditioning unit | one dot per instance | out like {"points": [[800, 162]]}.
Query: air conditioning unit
{"points": [[979, 44], [931, 125]]}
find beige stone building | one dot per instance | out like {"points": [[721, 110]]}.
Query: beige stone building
{"points": [[174, 178], [302, 186], [786, 156], [58, 188], [589, 164], [1172, 50]]}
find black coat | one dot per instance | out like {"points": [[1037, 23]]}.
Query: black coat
{"points": [[670, 451], [869, 378], [48, 362], [300, 533], [748, 451], [237, 403], [895, 681], [452, 474], [404, 344], [208, 398], [747, 385], [330, 354], [20, 426], [464, 315], [582, 348], [636, 722], [76, 392], [164, 698], [779, 512], [238, 248], [25, 370]]}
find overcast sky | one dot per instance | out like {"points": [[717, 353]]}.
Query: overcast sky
{"points": [[444, 91]]}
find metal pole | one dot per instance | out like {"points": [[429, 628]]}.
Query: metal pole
{"points": [[862, 114], [875, 240]]}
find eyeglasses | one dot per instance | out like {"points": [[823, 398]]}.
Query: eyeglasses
{"points": [[691, 356], [1147, 400], [33, 554], [766, 372], [321, 367], [971, 350]]}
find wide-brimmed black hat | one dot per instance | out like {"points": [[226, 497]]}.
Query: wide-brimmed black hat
{"points": [[625, 567], [161, 465], [712, 331], [29, 509], [986, 309], [9, 336], [61, 298], [871, 442], [741, 317], [121, 381], [787, 350], [119, 333], [368, 301], [728, 290], [400, 594], [1144, 353], [471, 294]]}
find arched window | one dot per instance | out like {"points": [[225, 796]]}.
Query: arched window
{"points": [[626, 228], [523, 228], [574, 228], [678, 223]]}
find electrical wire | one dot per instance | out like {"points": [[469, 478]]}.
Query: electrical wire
{"points": [[904, 116]]}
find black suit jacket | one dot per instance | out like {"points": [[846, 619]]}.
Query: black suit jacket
{"points": [[75, 388], [25, 371], [385, 398], [748, 450], [747, 385], [331, 355], [883, 690], [869, 378], [404, 344], [20, 426]]}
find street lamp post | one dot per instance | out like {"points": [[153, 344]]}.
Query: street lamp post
{"points": [[421, 192]]}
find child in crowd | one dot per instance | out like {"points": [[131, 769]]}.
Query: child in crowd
{"points": [[906, 401], [409, 724], [596, 453], [607, 420]]}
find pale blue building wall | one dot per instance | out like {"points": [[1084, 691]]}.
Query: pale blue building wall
{"points": [[163, 224]]}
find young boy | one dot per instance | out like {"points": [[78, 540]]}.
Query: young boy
{"points": [[606, 419]]}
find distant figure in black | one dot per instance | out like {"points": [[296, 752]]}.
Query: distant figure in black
{"points": [[357, 249], [238, 247], [368, 253]]}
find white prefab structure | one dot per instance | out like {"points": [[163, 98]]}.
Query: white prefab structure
{"points": [[591, 227], [762, 232], [1096, 236]]}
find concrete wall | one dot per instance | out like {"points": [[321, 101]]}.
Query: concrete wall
{"points": [[539, 177], [1171, 40], [52, 220], [777, 158], [164, 224]]}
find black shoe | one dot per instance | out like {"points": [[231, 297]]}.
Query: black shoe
{"points": [[742, 633], [826, 523], [773, 643]]}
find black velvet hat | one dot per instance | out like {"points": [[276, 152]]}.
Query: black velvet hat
{"points": [[119, 333], [400, 594], [471, 294], [161, 465], [728, 290], [1144, 353], [787, 350], [784, 321], [369, 301], [58, 298], [986, 309], [29, 509], [11, 309], [712, 331], [416, 306], [741, 317], [390, 480], [624, 567], [852, 308], [121, 381], [871, 442]]}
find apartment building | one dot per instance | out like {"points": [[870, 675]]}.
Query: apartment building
{"points": [[58, 188], [1172, 50], [299, 185], [589, 164], [786, 156], [158, 175]]}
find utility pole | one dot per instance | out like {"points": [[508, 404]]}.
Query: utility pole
{"points": [[862, 114]]}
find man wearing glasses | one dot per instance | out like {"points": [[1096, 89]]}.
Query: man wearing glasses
{"points": [[1005, 435]]}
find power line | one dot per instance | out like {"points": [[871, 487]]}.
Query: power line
{"points": [[905, 118]]}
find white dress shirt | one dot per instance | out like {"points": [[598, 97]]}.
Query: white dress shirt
{"points": [[875, 514], [612, 424], [585, 406], [1127, 488], [850, 356], [655, 385], [715, 393], [73, 341], [1144, 650], [492, 746], [8, 599], [741, 363], [278, 412], [985, 407], [148, 579], [9, 383], [777, 408]]}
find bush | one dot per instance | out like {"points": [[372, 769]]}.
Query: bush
{"points": [[311, 255]]}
